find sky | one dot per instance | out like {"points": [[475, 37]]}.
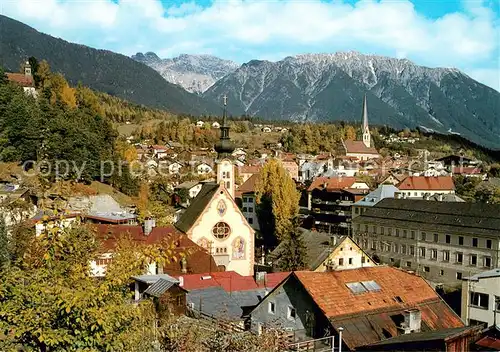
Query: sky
{"points": [[463, 34]]}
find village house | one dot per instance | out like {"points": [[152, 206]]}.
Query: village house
{"points": [[191, 188], [204, 168], [191, 258], [200, 124], [361, 149], [291, 166], [24, 80], [245, 195], [326, 252], [329, 201], [383, 191], [418, 186], [216, 125], [481, 298], [442, 241], [369, 304], [247, 171]]}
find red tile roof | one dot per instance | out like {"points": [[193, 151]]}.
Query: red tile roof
{"points": [[21, 79], [489, 342], [198, 259], [358, 147], [273, 279], [329, 290], [230, 281], [332, 183], [439, 183]]}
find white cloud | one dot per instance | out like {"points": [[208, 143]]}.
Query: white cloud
{"points": [[468, 39]]}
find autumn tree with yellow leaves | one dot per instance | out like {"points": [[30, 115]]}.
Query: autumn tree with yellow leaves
{"points": [[277, 202]]}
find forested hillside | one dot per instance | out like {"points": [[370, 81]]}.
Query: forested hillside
{"points": [[63, 127], [101, 70]]}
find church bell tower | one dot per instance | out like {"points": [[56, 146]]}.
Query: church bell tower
{"points": [[364, 128], [224, 148]]}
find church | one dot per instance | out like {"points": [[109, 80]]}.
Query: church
{"points": [[361, 149], [214, 221]]}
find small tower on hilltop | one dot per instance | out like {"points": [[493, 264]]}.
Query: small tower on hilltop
{"points": [[224, 148], [27, 69], [364, 128]]}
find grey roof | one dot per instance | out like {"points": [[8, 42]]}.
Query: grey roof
{"points": [[189, 217], [383, 191], [216, 302], [448, 217], [159, 287], [151, 279], [317, 244], [424, 336], [484, 275], [187, 184], [248, 298], [448, 197]]}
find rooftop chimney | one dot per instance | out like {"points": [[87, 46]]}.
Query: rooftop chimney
{"points": [[181, 281], [412, 320], [149, 225]]}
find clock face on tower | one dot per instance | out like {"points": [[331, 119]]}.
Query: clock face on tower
{"points": [[221, 207]]}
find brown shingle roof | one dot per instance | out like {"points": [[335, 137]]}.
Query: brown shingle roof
{"points": [[21, 79], [439, 183], [249, 185], [358, 147], [249, 169], [335, 299]]}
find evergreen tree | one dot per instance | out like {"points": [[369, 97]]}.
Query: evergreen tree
{"points": [[293, 255], [4, 245]]}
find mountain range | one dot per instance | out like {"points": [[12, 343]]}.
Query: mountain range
{"points": [[310, 87], [195, 73], [325, 87]]}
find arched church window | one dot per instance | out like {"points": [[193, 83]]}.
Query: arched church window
{"points": [[221, 230]]}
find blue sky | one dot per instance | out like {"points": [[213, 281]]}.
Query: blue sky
{"points": [[462, 34]]}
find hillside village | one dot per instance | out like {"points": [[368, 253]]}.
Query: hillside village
{"points": [[385, 252]]}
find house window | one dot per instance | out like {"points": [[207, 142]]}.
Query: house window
{"points": [[460, 258], [404, 233], [408, 264], [488, 244], [474, 242], [446, 256], [271, 307], [436, 237], [356, 211], [228, 185], [374, 245], [250, 210], [412, 250], [250, 221], [179, 300], [461, 240], [244, 209], [487, 262], [479, 300], [363, 259], [341, 261], [389, 231], [441, 272], [397, 232], [448, 239], [427, 269], [350, 261], [403, 248], [423, 236], [250, 200], [421, 252], [434, 254], [412, 235], [395, 248], [459, 275], [292, 314], [473, 259]]}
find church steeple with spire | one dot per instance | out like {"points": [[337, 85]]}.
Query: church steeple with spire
{"points": [[224, 148], [364, 127]]}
